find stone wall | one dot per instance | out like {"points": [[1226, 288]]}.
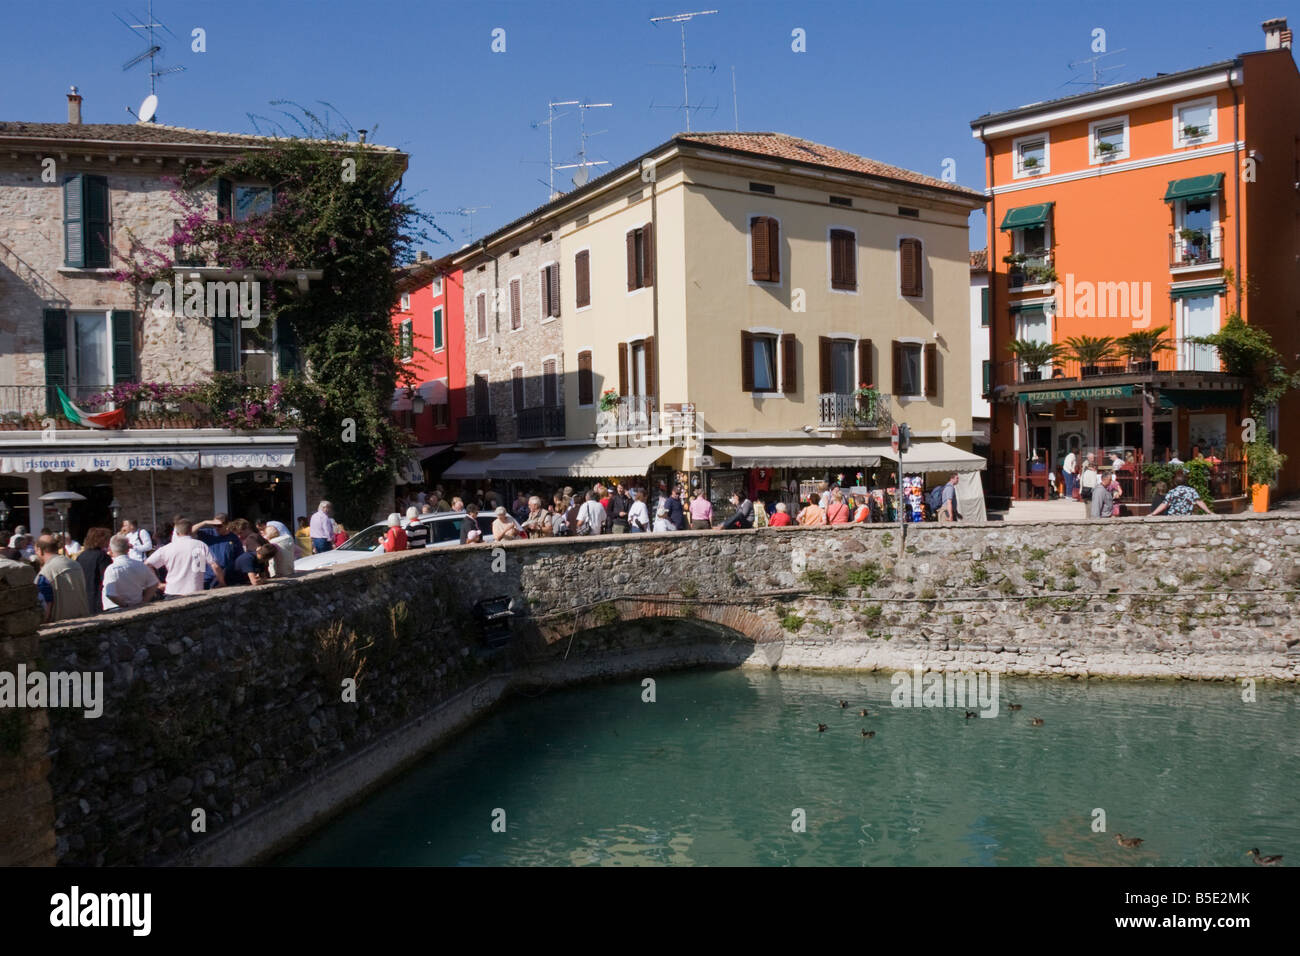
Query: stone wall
{"points": [[26, 807], [232, 702]]}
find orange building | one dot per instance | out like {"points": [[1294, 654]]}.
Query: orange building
{"points": [[1165, 203]]}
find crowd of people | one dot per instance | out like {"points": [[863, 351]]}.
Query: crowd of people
{"points": [[107, 571], [1100, 487]]}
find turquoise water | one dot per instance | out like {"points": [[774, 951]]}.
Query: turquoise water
{"points": [[710, 773]]}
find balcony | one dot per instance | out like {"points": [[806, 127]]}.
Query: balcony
{"points": [[1184, 356], [848, 412], [1192, 248], [1026, 271], [226, 401], [476, 428], [545, 421]]}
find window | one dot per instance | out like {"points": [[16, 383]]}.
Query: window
{"points": [[86, 352], [516, 307], [517, 387], [439, 343], [984, 308], [841, 201], [90, 348], [1032, 326], [582, 278], [550, 384], [406, 302], [842, 377], [1031, 156], [441, 416], [481, 393], [1195, 123], [909, 212], [767, 362], [766, 188], [480, 306], [252, 201], [586, 382], [636, 367], [844, 260], [85, 222], [550, 297], [907, 369], [1198, 315], [1108, 140], [1196, 238], [911, 266], [640, 258], [1031, 243], [437, 285], [407, 340], [764, 249]]}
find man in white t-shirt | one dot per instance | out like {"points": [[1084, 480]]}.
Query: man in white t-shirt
{"points": [[127, 582], [185, 559], [592, 513], [140, 539]]}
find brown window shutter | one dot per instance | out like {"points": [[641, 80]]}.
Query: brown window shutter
{"points": [[622, 369], [586, 387], [898, 368], [582, 278], [554, 286], [789, 370], [773, 250], [758, 248], [844, 266], [864, 363], [825, 379], [516, 316], [480, 395], [650, 365], [931, 370], [517, 385], [482, 315], [632, 283], [648, 254], [909, 251], [544, 278], [746, 361]]}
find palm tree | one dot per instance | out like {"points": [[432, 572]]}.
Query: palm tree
{"points": [[1140, 347], [1090, 351], [1034, 355]]}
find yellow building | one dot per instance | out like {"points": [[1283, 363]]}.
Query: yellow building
{"points": [[734, 292]]}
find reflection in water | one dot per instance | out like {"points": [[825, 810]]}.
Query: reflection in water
{"points": [[711, 773]]}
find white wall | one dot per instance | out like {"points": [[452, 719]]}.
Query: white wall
{"points": [[979, 348]]}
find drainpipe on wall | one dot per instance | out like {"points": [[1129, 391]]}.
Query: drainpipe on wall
{"points": [[1236, 187]]}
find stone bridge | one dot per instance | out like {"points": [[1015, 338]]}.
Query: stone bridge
{"points": [[236, 703]]}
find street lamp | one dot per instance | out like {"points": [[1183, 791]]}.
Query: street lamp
{"points": [[62, 500], [114, 506], [417, 405]]}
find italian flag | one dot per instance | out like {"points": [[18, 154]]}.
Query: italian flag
{"points": [[113, 419]]}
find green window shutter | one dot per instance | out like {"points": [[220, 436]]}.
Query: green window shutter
{"points": [[96, 221], [988, 378], [56, 357], [437, 328], [224, 357], [74, 245], [984, 308], [123, 346], [286, 344]]}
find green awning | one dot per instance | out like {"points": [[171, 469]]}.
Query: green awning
{"points": [[1197, 187], [1028, 217], [1026, 308], [1192, 399], [1095, 393], [1204, 288]]}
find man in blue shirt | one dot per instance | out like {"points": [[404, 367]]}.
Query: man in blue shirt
{"points": [[224, 545]]}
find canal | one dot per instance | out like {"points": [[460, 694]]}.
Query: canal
{"points": [[715, 770]]}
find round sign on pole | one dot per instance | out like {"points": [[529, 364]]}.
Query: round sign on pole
{"points": [[893, 438]]}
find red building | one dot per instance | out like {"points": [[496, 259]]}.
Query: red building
{"points": [[429, 322]]}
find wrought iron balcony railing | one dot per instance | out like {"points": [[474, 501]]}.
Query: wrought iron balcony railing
{"points": [[545, 421], [477, 428], [836, 410]]}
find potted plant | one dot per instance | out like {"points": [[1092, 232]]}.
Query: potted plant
{"points": [[1029, 162], [1090, 351], [1194, 241], [1191, 131], [608, 400], [1034, 355], [1040, 275], [868, 396], [1140, 348], [1106, 150], [1262, 464]]}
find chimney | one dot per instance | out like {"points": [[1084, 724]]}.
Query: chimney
{"points": [[1276, 35], [74, 107], [361, 133], [422, 256]]}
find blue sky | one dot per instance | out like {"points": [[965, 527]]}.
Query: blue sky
{"points": [[898, 82]]}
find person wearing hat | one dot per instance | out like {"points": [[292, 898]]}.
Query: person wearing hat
{"points": [[503, 528], [395, 539]]}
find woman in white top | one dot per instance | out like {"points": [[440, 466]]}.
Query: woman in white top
{"points": [[285, 547], [662, 523], [638, 516]]}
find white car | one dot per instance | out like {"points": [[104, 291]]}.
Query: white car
{"points": [[444, 532]]}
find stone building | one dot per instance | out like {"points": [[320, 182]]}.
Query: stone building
{"points": [[72, 198]]}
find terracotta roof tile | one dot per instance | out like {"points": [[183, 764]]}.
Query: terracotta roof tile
{"points": [[141, 134], [979, 260], [784, 146]]}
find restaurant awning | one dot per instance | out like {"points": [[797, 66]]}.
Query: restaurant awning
{"points": [[819, 455], [1194, 187], [1200, 398], [421, 452], [930, 456], [146, 459], [469, 468], [516, 464], [595, 462], [1027, 217]]}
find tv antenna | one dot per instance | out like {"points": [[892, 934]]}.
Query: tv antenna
{"points": [[1097, 69], [145, 29], [549, 123], [464, 211], [683, 19], [583, 164]]}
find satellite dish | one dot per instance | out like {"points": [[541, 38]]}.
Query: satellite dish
{"points": [[148, 108], [580, 177]]}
